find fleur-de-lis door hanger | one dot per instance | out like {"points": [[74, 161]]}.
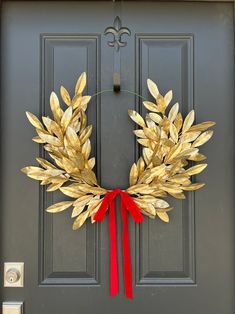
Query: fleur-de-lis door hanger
{"points": [[117, 30]]}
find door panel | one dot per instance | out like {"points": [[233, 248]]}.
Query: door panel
{"points": [[59, 264], [158, 56], [186, 266]]}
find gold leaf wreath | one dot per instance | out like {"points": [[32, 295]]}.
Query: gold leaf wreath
{"points": [[169, 145]]}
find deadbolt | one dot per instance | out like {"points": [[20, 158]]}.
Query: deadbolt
{"points": [[13, 274]]}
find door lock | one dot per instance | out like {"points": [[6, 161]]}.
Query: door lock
{"points": [[13, 274], [12, 308]]}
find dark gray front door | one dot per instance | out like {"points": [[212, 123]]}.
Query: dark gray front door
{"points": [[186, 266]]}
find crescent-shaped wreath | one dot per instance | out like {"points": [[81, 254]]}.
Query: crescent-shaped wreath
{"points": [[169, 143]]}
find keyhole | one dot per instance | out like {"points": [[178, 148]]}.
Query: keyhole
{"points": [[12, 275]]}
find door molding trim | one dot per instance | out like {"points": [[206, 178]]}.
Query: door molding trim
{"points": [[228, 1]]}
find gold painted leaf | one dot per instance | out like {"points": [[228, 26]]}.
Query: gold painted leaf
{"points": [[147, 154], [65, 95], [155, 117], [179, 196], [94, 205], [133, 175], [31, 169], [66, 118], [165, 124], [148, 199], [68, 165], [192, 187], [179, 178], [195, 169], [79, 221], [136, 188], [174, 151], [173, 112], [203, 138], [139, 133], [79, 161], [81, 84], [48, 123], [150, 106], [83, 200], [89, 176], [140, 166], [34, 121], [160, 203], [159, 193], [86, 149], [151, 134], [58, 207], [49, 138], [54, 186], [136, 118], [168, 98], [173, 133], [92, 189], [72, 191], [80, 102], [145, 176], [146, 209], [73, 138], [86, 133], [91, 163], [171, 188], [153, 89], [163, 210], [83, 120], [188, 137], [58, 179], [178, 121], [146, 212], [76, 211], [144, 141], [158, 171], [161, 105], [188, 121], [187, 153], [197, 157], [202, 126], [53, 172], [167, 142], [38, 140], [55, 128], [55, 107], [150, 123], [163, 216]]}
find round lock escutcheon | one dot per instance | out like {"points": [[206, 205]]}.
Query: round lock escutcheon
{"points": [[12, 275]]}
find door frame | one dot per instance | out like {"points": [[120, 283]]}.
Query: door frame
{"points": [[118, 2]]}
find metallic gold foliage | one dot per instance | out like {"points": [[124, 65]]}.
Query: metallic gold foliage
{"points": [[170, 145], [68, 166]]}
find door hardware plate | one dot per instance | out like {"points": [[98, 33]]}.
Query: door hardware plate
{"points": [[12, 308], [13, 275]]}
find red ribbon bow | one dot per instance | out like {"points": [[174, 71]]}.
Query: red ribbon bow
{"points": [[127, 203]]}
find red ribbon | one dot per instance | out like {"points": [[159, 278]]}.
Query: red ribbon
{"points": [[127, 204]]}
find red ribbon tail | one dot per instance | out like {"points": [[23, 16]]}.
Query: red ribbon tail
{"points": [[132, 207], [113, 251], [127, 203], [99, 216], [126, 253]]}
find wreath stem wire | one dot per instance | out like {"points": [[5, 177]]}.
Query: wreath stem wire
{"points": [[122, 90]]}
